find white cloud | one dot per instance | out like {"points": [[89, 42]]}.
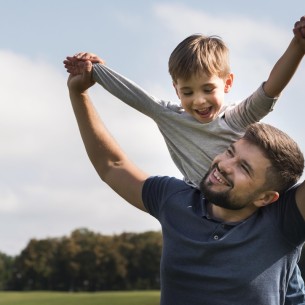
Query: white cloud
{"points": [[254, 44], [29, 104], [238, 30], [48, 184], [9, 201]]}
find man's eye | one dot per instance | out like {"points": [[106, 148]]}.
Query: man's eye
{"points": [[229, 152], [245, 169]]}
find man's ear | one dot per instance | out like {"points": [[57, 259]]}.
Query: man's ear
{"points": [[229, 82], [266, 198]]}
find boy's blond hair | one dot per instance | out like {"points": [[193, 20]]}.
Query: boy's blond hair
{"points": [[199, 54]]}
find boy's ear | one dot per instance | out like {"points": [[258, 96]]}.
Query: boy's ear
{"points": [[229, 82], [175, 86], [266, 198]]}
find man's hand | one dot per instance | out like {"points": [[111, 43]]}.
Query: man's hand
{"points": [[81, 81]]}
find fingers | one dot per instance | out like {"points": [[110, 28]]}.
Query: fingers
{"points": [[299, 28], [88, 67], [74, 66], [88, 56], [81, 63], [84, 56]]}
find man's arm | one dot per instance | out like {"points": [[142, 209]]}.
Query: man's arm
{"points": [[286, 66], [109, 160]]}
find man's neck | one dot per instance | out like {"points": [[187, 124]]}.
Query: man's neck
{"points": [[231, 216]]}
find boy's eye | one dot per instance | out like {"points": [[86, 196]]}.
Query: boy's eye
{"points": [[208, 90], [187, 93]]}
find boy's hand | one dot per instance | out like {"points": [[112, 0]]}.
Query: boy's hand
{"points": [[84, 56], [75, 64]]}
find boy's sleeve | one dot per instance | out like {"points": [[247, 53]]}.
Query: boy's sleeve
{"points": [[250, 110], [127, 91]]}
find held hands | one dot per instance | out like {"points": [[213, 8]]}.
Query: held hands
{"points": [[75, 64], [299, 28], [80, 68], [299, 32], [79, 83], [84, 56]]}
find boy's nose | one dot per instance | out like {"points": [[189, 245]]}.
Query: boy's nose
{"points": [[200, 99]]}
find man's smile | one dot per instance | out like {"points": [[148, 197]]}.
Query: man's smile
{"points": [[217, 178]]}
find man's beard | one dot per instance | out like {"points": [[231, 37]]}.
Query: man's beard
{"points": [[221, 199]]}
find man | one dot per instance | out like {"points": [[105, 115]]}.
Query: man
{"points": [[236, 240]]}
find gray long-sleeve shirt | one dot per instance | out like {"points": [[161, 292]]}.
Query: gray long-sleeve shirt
{"points": [[191, 144]]}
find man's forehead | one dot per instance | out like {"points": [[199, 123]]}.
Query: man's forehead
{"points": [[251, 154]]}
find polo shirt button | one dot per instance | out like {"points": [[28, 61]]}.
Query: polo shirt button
{"points": [[216, 237]]}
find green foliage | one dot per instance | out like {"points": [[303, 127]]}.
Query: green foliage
{"points": [[6, 270], [88, 261], [104, 298]]}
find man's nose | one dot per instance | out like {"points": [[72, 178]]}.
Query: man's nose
{"points": [[226, 165]]}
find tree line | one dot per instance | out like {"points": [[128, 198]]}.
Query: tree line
{"points": [[85, 261], [88, 261]]}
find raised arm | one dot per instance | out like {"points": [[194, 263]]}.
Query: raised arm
{"points": [[109, 160], [286, 66], [121, 87]]}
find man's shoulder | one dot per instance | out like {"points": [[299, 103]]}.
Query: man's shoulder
{"points": [[165, 187], [168, 182]]}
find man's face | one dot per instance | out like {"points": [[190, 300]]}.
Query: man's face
{"points": [[237, 177]]}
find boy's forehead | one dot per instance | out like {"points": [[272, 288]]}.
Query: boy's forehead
{"points": [[202, 78]]}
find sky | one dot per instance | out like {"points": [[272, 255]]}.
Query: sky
{"points": [[48, 187]]}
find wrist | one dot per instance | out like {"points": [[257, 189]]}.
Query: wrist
{"points": [[298, 45], [78, 93]]}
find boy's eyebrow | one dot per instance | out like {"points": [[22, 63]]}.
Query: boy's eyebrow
{"points": [[203, 85], [185, 87]]}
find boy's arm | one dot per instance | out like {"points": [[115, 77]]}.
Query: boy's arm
{"points": [[109, 160], [286, 66], [120, 86]]}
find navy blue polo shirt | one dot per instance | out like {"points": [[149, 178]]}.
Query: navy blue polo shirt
{"points": [[207, 261]]}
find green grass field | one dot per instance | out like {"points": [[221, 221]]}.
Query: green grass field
{"points": [[95, 298]]}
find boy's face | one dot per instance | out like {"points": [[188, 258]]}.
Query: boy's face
{"points": [[202, 96]]}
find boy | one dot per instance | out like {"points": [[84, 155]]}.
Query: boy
{"points": [[203, 125]]}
